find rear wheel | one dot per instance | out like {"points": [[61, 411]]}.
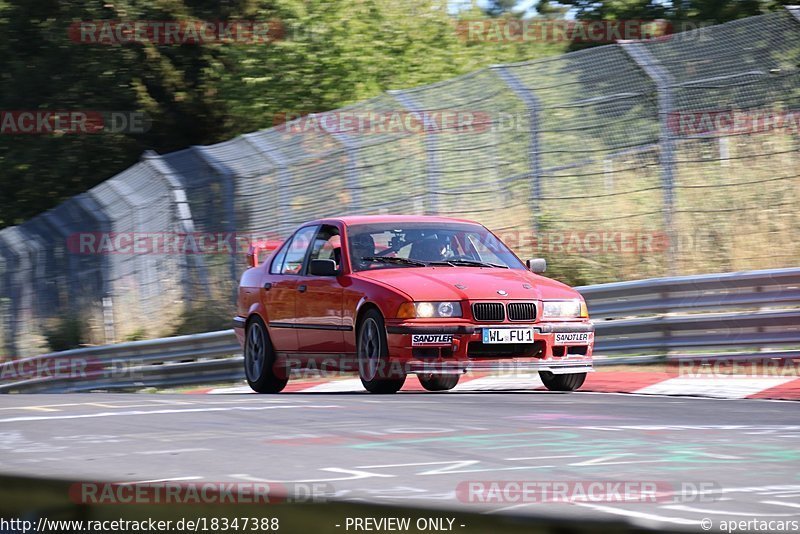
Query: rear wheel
{"points": [[438, 382], [373, 356], [568, 382], [259, 358]]}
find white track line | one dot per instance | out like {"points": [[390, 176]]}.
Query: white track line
{"points": [[173, 451], [160, 412], [638, 515], [176, 479], [781, 503], [684, 508]]}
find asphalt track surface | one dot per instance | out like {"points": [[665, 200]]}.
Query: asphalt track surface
{"points": [[415, 448]]}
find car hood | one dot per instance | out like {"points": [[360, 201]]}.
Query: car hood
{"points": [[469, 283]]}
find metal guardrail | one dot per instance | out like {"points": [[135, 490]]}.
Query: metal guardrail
{"points": [[732, 315], [210, 357], [714, 313]]}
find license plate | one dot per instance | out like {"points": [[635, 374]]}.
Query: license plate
{"points": [[573, 338], [508, 335]]}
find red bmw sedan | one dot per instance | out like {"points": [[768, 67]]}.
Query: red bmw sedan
{"points": [[389, 296]]}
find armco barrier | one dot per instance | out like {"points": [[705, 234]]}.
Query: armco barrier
{"points": [[710, 313], [735, 315]]}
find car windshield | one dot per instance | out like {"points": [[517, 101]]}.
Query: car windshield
{"points": [[420, 244]]}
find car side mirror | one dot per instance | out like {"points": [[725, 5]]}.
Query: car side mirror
{"points": [[537, 265], [322, 268]]}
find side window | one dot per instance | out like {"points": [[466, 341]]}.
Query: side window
{"points": [[277, 263], [296, 251], [327, 245]]}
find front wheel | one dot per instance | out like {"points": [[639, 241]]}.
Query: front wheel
{"points": [[438, 382], [259, 358], [568, 382], [373, 356]]}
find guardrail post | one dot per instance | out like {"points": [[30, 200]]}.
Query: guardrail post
{"points": [[92, 208], [184, 214], [533, 107], [108, 319], [230, 209], [60, 228], [431, 155], [21, 279], [9, 299], [663, 81]]}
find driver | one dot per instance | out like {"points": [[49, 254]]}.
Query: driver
{"points": [[429, 249], [361, 246]]}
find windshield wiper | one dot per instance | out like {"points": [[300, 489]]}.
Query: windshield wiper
{"points": [[392, 259], [441, 262], [475, 263], [420, 263]]}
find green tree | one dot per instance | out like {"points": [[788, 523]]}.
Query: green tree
{"points": [[717, 11], [334, 53]]}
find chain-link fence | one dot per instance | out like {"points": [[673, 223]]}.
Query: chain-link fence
{"points": [[639, 159]]}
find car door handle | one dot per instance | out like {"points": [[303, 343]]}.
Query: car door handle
{"points": [[302, 289], [268, 285]]}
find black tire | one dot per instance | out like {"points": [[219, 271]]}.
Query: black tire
{"points": [[438, 382], [373, 356], [568, 382], [259, 359]]}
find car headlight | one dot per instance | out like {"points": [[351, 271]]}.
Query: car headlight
{"points": [[564, 309], [410, 310]]}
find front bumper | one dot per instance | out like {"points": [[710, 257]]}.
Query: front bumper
{"points": [[465, 350], [543, 328], [238, 329]]}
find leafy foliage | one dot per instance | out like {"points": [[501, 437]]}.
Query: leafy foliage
{"points": [[67, 332], [333, 53]]}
